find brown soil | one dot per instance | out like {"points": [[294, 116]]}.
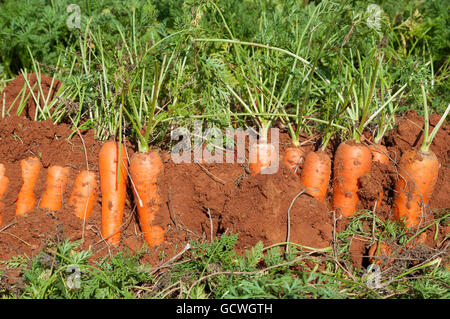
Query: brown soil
{"points": [[43, 92], [199, 200]]}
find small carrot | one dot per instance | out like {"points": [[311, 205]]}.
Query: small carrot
{"points": [[26, 199], [379, 153], [113, 185], [316, 174], [56, 184], [352, 161], [145, 167], [293, 157], [84, 194], [4, 182], [261, 156]]}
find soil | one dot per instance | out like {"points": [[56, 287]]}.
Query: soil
{"points": [[199, 200], [42, 90]]}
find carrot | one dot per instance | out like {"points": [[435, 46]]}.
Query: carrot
{"points": [[145, 167], [261, 156], [293, 157], [418, 171], [4, 181], [113, 179], [316, 174], [352, 160], [379, 153], [56, 185], [84, 194], [418, 176], [26, 199]]}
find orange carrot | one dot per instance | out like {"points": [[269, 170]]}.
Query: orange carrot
{"points": [[4, 181], [145, 168], [316, 174], [84, 194], [379, 153], [56, 185], [113, 184], [352, 161], [418, 175], [261, 156], [293, 157], [418, 171], [26, 199]]}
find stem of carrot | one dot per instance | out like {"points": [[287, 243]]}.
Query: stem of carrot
{"points": [[427, 137], [368, 101]]}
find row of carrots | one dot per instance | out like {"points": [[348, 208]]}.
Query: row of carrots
{"points": [[418, 170], [418, 173], [144, 169]]}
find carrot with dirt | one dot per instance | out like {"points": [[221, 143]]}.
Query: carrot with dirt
{"points": [[261, 156], [84, 194], [146, 166], [418, 173], [4, 182], [316, 174], [316, 171], [353, 159], [113, 184], [26, 199], [52, 198], [293, 156]]}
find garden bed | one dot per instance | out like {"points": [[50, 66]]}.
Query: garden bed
{"points": [[199, 200]]}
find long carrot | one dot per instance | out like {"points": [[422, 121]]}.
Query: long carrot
{"points": [[56, 184], [84, 194], [261, 156], [26, 199], [4, 182], [113, 179], [145, 167], [352, 161], [316, 174], [418, 171]]}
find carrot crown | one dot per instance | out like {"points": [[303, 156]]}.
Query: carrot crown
{"points": [[143, 118]]}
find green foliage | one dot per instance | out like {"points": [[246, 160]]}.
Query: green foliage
{"points": [[66, 273]]}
